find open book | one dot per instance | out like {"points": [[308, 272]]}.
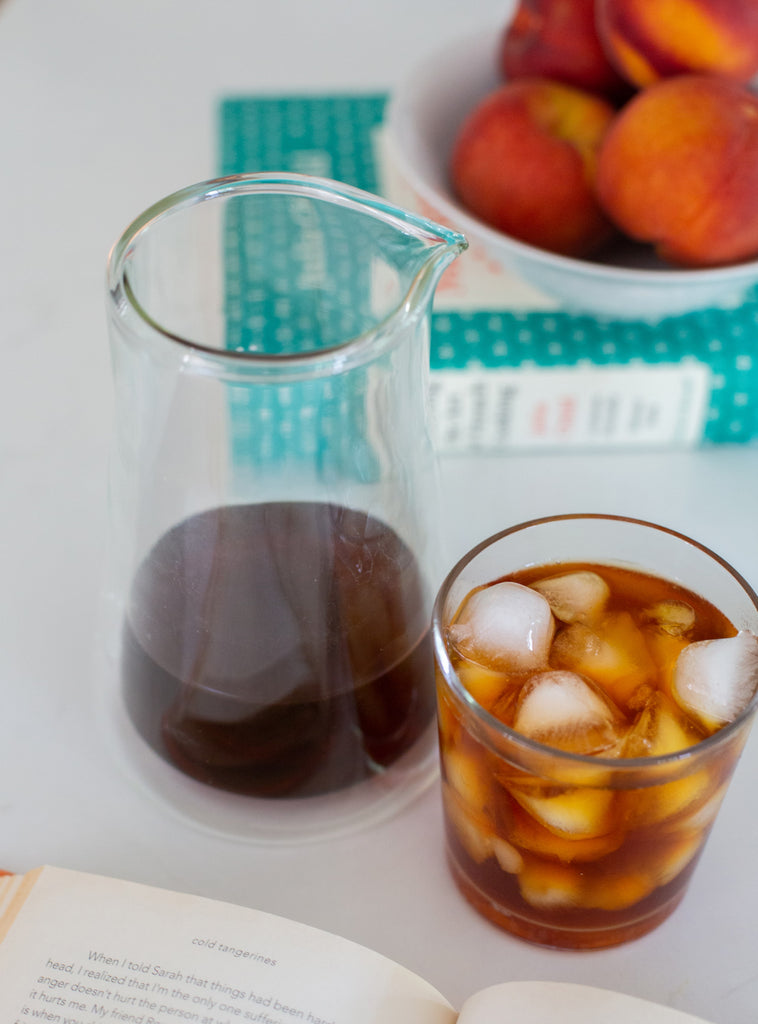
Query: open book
{"points": [[77, 948]]}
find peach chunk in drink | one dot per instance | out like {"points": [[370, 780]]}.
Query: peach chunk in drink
{"points": [[610, 666]]}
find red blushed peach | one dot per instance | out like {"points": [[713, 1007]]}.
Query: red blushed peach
{"points": [[679, 169], [558, 39], [648, 40], [524, 163]]}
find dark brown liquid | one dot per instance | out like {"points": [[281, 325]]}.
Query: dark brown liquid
{"points": [[279, 649]]}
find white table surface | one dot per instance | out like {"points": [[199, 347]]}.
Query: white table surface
{"points": [[105, 107]]}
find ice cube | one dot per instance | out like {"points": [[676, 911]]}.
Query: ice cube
{"points": [[617, 891], [484, 684], [675, 857], [663, 728], [506, 626], [474, 832], [613, 653], [714, 680], [637, 870], [576, 814], [575, 596], [468, 777], [560, 709], [664, 649], [551, 885], [527, 834], [670, 616], [503, 707], [507, 856], [705, 813], [667, 802], [477, 834]]}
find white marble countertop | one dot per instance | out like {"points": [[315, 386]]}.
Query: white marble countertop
{"points": [[104, 108]]}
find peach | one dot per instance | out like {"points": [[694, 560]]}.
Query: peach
{"points": [[679, 169], [524, 163], [558, 39], [648, 41]]}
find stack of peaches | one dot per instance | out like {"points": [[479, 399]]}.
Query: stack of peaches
{"points": [[620, 118]]}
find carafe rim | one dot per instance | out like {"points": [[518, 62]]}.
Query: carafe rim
{"points": [[442, 244]]}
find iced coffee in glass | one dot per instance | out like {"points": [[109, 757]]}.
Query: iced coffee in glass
{"points": [[597, 680]]}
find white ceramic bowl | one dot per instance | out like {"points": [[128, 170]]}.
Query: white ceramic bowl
{"points": [[424, 116]]}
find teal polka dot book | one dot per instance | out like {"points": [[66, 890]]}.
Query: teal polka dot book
{"points": [[509, 368]]}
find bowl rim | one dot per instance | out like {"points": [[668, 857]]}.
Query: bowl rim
{"points": [[400, 123]]}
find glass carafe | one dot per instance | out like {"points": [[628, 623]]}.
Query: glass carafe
{"points": [[274, 504]]}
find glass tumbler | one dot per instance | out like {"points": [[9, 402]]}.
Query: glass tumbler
{"points": [[575, 817], [272, 505]]}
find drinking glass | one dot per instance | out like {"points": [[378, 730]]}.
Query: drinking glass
{"points": [[567, 849]]}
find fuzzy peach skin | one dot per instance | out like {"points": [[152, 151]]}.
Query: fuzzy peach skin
{"points": [[524, 163], [558, 39], [648, 40], [679, 169]]}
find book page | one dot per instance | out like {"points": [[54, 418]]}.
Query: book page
{"points": [[535, 1002], [78, 948]]}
